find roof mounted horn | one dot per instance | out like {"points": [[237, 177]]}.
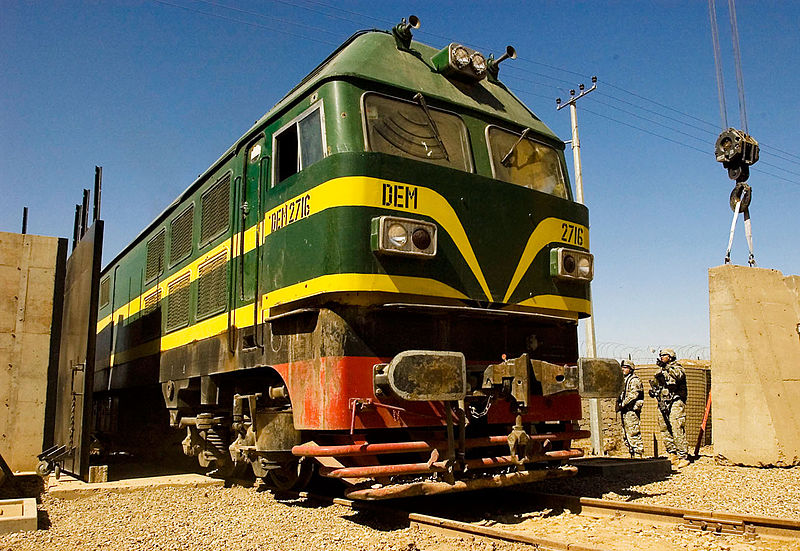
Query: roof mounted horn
{"points": [[493, 66], [402, 32]]}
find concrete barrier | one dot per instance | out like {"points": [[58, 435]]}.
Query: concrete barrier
{"points": [[18, 515], [29, 269], [755, 351]]}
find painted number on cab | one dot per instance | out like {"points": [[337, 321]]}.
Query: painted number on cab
{"points": [[400, 196], [570, 233], [292, 211]]}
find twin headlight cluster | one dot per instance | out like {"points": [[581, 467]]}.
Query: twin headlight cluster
{"points": [[460, 62], [571, 264], [403, 236]]}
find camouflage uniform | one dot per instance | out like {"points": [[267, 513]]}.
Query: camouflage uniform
{"points": [[669, 388], [630, 403]]}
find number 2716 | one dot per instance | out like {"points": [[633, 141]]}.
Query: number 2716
{"points": [[572, 234]]}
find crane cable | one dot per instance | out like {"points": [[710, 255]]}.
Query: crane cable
{"points": [[738, 61], [723, 111], [735, 149]]}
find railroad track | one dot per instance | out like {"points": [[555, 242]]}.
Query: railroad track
{"points": [[747, 526]]}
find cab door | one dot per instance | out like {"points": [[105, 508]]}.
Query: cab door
{"points": [[250, 234]]}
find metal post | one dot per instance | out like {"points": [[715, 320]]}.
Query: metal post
{"points": [[98, 185], [76, 228], [85, 212], [24, 220], [591, 345]]}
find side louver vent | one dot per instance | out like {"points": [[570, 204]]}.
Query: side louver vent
{"points": [[178, 303], [215, 212], [212, 286], [155, 257], [152, 302], [180, 242], [105, 292]]}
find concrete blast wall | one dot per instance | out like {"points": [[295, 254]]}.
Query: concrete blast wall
{"points": [[30, 265], [755, 354]]}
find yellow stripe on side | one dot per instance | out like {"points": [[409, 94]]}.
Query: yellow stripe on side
{"points": [[324, 284], [132, 307], [548, 231]]}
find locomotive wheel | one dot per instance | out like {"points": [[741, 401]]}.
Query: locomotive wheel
{"points": [[294, 475]]}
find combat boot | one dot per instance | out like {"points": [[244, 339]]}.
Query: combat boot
{"points": [[672, 458], [638, 455], [681, 463]]}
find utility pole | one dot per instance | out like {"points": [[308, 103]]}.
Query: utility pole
{"points": [[591, 345]]}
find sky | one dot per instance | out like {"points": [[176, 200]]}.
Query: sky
{"points": [[155, 91]]}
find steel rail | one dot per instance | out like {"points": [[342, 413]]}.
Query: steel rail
{"points": [[450, 527], [718, 522]]}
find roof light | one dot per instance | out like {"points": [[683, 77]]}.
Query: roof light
{"points": [[458, 61]]}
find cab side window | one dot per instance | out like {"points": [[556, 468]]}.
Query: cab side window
{"points": [[299, 144]]}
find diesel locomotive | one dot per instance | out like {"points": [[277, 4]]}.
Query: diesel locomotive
{"points": [[380, 282]]}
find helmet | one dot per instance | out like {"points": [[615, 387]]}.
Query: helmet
{"points": [[627, 363], [667, 351]]}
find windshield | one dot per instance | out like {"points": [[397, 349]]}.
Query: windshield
{"points": [[413, 130], [519, 160]]}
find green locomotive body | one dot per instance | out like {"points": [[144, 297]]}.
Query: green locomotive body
{"points": [[378, 261]]}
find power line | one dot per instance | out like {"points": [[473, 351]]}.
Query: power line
{"points": [[650, 120], [244, 22], [270, 17], [657, 113], [684, 144]]}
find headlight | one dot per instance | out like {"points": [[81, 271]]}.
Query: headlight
{"points": [[397, 235], [403, 236], [460, 57], [459, 62], [479, 64], [585, 267], [571, 264]]}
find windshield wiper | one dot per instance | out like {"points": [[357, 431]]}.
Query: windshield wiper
{"points": [[506, 161], [419, 98]]}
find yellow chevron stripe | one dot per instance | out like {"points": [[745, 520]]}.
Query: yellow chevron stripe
{"points": [[548, 231], [364, 191]]}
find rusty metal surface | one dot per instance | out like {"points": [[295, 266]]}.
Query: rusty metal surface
{"points": [[433, 488], [599, 378], [423, 375], [345, 450], [77, 351]]}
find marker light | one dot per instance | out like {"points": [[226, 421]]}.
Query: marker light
{"points": [[571, 264], [390, 235]]}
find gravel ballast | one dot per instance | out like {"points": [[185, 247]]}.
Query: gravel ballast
{"points": [[246, 518]]}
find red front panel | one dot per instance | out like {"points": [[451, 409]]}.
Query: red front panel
{"points": [[322, 393]]}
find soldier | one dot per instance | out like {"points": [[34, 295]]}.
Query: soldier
{"points": [[629, 404], [669, 389]]}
